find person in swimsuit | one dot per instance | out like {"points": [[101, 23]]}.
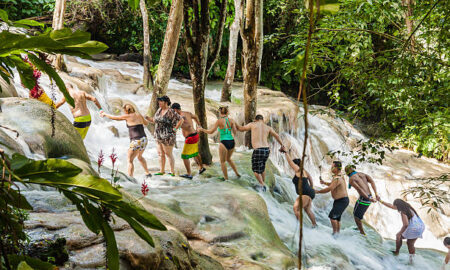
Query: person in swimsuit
{"points": [[447, 258], [226, 127], [308, 192], [413, 227], [190, 149], [138, 139], [338, 190], [260, 132], [360, 181], [81, 114], [167, 122]]}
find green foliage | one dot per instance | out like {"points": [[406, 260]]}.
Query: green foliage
{"points": [[20, 9], [433, 192], [363, 61], [15, 45], [367, 151], [94, 197]]}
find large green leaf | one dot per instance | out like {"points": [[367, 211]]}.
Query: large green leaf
{"points": [[58, 169], [67, 37], [23, 266], [87, 217], [38, 42], [29, 23], [112, 253], [4, 15], [41, 65], [136, 227], [8, 41], [36, 264], [16, 199], [142, 216], [90, 47], [25, 71]]}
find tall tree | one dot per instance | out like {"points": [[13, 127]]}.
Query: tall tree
{"points": [[147, 79], [251, 34], [408, 21], [57, 24], [231, 68], [168, 52], [201, 57]]}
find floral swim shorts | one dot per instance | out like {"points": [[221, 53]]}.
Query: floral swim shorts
{"points": [[139, 144]]}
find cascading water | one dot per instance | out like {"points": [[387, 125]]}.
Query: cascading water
{"points": [[322, 251]]}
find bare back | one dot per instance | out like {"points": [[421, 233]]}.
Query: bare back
{"points": [[340, 191], [187, 127], [362, 180], [260, 133], [80, 108]]}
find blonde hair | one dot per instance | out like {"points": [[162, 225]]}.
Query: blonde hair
{"points": [[223, 110], [128, 108]]}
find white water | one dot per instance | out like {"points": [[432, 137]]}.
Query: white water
{"points": [[348, 251]]}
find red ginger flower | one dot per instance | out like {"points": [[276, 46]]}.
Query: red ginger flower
{"points": [[113, 157], [144, 188], [100, 159]]}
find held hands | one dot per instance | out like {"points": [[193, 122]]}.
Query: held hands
{"points": [[102, 114], [321, 180], [283, 149], [372, 200], [378, 198]]}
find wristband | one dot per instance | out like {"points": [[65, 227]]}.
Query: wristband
{"points": [[101, 110]]}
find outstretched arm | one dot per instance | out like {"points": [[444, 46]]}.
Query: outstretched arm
{"points": [[144, 120], [211, 130], [291, 163], [247, 127], [93, 99], [60, 103], [196, 120], [276, 136], [388, 204], [329, 188], [113, 117]]}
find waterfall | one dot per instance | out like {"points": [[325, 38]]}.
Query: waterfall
{"points": [[327, 133]]}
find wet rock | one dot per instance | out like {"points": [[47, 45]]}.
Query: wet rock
{"points": [[131, 57], [9, 143], [7, 90], [114, 130], [32, 119]]}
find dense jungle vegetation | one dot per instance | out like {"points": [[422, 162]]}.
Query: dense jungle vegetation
{"points": [[382, 64]]}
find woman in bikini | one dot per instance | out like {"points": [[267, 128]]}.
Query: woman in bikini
{"points": [[308, 192], [226, 127], [167, 122], [138, 140]]}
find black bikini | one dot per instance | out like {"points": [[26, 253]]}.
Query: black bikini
{"points": [[307, 189]]}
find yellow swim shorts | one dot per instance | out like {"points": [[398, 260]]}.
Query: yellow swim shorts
{"points": [[82, 124]]}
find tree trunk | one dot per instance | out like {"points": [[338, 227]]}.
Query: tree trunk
{"points": [[251, 37], [57, 24], [408, 21], [168, 53], [234, 35], [147, 79]]}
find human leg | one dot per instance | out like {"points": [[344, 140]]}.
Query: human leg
{"points": [[223, 158], [307, 203], [143, 161], [411, 248], [231, 162], [168, 150], [162, 157], [130, 158]]}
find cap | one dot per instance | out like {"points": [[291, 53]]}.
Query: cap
{"points": [[176, 106]]}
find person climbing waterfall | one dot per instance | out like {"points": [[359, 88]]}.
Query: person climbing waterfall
{"points": [[447, 257], [81, 114], [167, 122], [190, 149], [260, 133], [226, 127], [360, 181], [339, 193], [308, 192], [138, 140], [412, 229]]}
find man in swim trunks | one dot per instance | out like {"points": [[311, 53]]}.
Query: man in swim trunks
{"points": [[190, 149], [260, 132], [81, 114], [360, 181], [339, 193]]}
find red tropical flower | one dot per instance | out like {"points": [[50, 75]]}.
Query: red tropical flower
{"points": [[100, 159], [36, 92], [144, 188], [113, 157]]}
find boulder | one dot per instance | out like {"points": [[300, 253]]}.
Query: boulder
{"points": [[6, 89], [32, 119]]}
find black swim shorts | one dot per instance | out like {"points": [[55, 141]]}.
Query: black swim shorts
{"points": [[361, 207], [339, 206], [259, 159]]}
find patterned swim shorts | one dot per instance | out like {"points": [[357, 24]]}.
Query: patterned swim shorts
{"points": [[139, 144], [259, 159]]}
